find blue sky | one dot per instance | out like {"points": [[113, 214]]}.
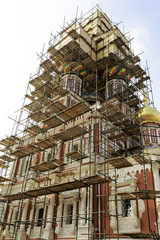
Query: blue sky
{"points": [[26, 25]]}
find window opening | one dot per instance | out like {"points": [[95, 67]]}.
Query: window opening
{"points": [[126, 208], [69, 214], [70, 83], [154, 135], [40, 217], [48, 157], [75, 147]]}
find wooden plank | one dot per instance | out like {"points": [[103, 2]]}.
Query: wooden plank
{"points": [[34, 106], [17, 196], [3, 179], [45, 143], [25, 151], [123, 95], [76, 155], [74, 111], [7, 158], [44, 100], [125, 195], [115, 116], [93, 179], [142, 195], [5, 149], [70, 133], [45, 166], [140, 85], [119, 162], [38, 116], [36, 82], [42, 179], [4, 166], [54, 108], [34, 130], [30, 97], [59, 187], [43, 90], [9, 141], [111, 112], [110, 130], [52, 122], [62, 187], [140, 159], [117, 136], [47, 65]]}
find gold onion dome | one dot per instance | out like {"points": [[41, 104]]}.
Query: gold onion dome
{"points": [[73, 68], [148, 114], [116, 72]]}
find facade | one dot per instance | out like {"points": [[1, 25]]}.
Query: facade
{"points": [[83, 162]]}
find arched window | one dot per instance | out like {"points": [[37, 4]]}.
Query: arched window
{"points": [[154, 135]]}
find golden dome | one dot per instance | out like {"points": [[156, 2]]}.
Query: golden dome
{"points": [[149, 114]]}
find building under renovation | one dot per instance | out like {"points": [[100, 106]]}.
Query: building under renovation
{"points": [[82, 161]]}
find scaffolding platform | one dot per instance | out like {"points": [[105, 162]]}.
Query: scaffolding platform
{"points": [[45, 180], [9, 141], [76, 155], [45, 77], [4, 179], [123, 95], [118, 136], [70, 133], [30, 97], [146, 194], [38, 116], [111, 112], [140, 158], [34, 130], [25, 151], [46, 166], [34, 106], [74, 111], [126, 196], [119, 162], [59, 187], [110, 130], [141, 236], [45, 143], [4, 166], [7, 158], [141, 194], [44, 101], [93, 179], [54, 107], [52, 122], [44, 90], [140, 85], [47, 65]]}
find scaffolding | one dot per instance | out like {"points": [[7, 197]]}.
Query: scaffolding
{"points": [[76, 136]]}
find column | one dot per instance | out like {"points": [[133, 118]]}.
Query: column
{"points": [[74, 213], [31, 216], [92, 137], [155, 168], [21, 234], [48, 230], [83, 206], [6, 232], [59, 216], [90, 208]]}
